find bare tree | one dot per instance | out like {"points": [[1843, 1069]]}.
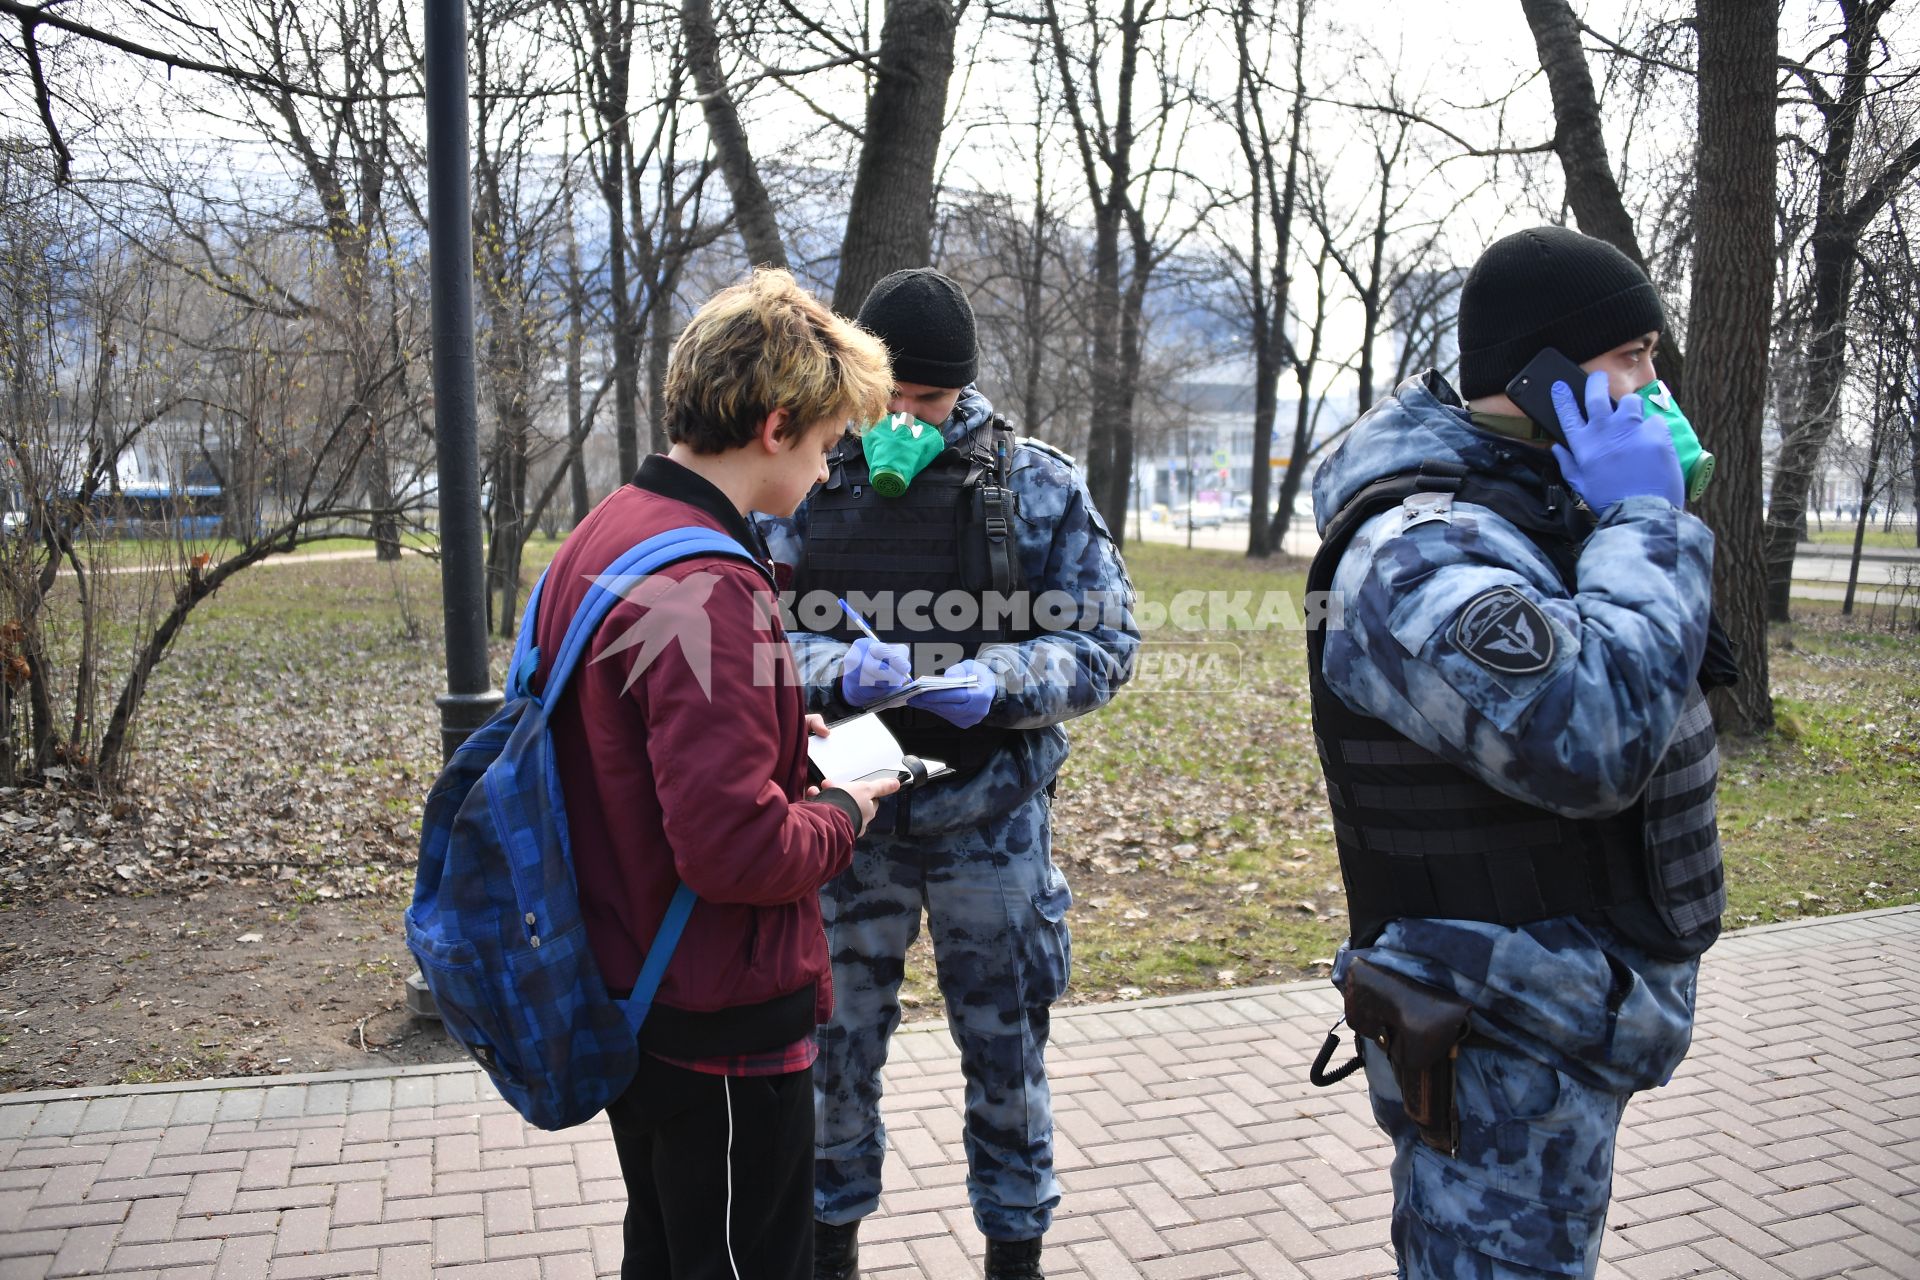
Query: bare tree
{"points": [[1022, 263], [1581, 144], [114, 354], [890, 217], [1308, 404], [891, 214], [1263, 269], [327, 107], [1129, 146], [521, 198], [1853, 190], [1886, 340], [753, 209], [1728, 331]]}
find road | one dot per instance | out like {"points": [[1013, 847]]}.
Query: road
{"points": [[1887, 577]]}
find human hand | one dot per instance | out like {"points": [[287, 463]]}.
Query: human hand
{"points": [[866, 795], [965, 707], [1614, 451], [871, 670], [817, 727]]}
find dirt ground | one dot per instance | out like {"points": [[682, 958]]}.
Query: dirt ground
{"points": [[233, 983]]}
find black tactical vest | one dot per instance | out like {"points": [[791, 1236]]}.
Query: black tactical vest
{"points": [[949, 535], [1420, 837]]}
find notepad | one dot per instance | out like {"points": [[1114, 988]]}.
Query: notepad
{"points": [[862, 747], [919, 685]]}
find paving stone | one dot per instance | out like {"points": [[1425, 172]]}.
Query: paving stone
{"points": [[1786, 1148]]}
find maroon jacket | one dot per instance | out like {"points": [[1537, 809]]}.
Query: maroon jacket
{"points": [[683, 760]]}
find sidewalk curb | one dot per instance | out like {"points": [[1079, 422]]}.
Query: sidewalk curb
{"points": [[1068, 1013], [1835, 551]]}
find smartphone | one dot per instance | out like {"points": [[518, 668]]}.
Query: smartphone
{"points": [[1532, 389]]}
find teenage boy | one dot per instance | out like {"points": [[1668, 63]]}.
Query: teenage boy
{"points": [[1520, 763], [685, 758]]}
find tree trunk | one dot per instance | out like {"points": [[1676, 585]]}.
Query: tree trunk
{"points": [[1730, 311], [752, 208], [1291, 478], [1266, 376], [890, 219], [626, 332], [576, 374], [1867, 486], [1032, 307], [1578, 140], [111, 763], [1913, 450], [660, 334], [1269, 279], [1106, 350], [1112, 497]]}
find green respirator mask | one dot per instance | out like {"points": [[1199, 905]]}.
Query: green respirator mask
{"points": [[1696, 464], [898, 448]]}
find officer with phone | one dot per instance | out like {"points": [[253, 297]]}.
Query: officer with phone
{"points": [[1519, 760]]}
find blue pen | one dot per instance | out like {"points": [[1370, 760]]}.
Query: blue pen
{"points": [[860, 622]]}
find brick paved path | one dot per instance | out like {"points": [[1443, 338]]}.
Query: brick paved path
{"points": [[1788, 1146]]}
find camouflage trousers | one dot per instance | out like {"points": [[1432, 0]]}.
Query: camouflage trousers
{"points": [[996, 909], [1526, 1195]]}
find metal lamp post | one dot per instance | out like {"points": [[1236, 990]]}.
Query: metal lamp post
{"points": [[470, 697]]}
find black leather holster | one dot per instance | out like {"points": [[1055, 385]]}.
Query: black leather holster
{"points": [[1420, 1028]]}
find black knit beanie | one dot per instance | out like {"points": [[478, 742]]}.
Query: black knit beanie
{"points": [[1548, 287], [927, 326]]}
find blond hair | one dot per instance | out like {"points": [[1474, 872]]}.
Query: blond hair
{"points": [[768, 344]]}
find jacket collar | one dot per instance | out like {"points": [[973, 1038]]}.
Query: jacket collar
{"points": [[661, 475]]}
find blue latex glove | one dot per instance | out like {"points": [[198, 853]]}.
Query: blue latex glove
{"points": [[962, 708], [872, 670], [1615, 451]]}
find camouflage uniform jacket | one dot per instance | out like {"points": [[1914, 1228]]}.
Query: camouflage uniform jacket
{"points": [[1064, 546], [1579, 737]]}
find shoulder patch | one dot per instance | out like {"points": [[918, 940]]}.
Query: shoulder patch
{"points": [[1505, 632], [1041, 446]]}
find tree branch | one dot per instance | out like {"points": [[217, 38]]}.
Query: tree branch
{"points": [[38, 15], [43, 97], [1634, 55], [1402, 113], [1883, 187]]}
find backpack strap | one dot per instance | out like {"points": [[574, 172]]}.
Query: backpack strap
{"points": [[526, 654], [609, 588], [639, 1002]]}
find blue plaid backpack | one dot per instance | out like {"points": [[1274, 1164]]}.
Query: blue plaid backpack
{"points": [[495, 921]]}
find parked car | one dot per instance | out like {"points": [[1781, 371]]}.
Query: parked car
{"points": [[1200, 515]]}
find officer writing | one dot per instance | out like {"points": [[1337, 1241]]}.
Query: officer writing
{"points": [[973, 554], [1519, 759]]}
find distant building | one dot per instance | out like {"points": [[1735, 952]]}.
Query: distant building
{"points": [[1198, 447]]}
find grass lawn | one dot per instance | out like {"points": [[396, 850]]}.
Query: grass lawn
{"points": [[292, 734], [1899, 538], [1194, 830]]}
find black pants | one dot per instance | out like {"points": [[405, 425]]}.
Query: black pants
{"points": [[719, 1173]]}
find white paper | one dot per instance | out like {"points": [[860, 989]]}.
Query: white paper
{"points": [[861, 747]]}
